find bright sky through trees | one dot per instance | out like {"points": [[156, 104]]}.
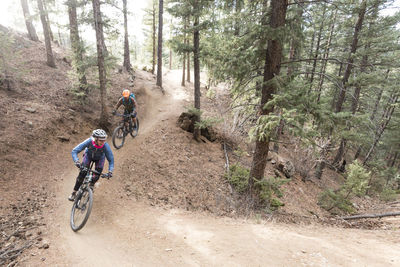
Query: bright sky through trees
{"points": [[11, 16]]}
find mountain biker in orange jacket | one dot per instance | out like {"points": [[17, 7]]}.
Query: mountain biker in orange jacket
{"points": [[129, 103], [96, 150]]}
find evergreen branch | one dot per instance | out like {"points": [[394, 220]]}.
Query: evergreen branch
{"points": [[331, 79], [322, 59], [318, 2]]}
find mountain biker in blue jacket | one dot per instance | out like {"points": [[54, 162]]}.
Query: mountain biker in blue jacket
{"points": [[130, 104], [96, 150]]}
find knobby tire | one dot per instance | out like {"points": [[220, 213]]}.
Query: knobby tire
{"points": [[135, 131], [76, 208], [118, 134]]}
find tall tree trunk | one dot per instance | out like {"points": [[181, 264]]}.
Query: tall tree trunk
{"points": [[160, 39], [372, 117], [357, 90], [188, 67], [317, 48], [154, 38], [378, 99], [188, 57], [394, 159], [28, 21], [127, 61], [273, 57], [170, 59], [386, 117], [295, 44], [60, 39], [77, 47], [98, 23], [49, 51], [196, 66], [238, 8], [184, 55], [311, 52], [350, 59], [326, 56], [46, 11], [183, 69]]}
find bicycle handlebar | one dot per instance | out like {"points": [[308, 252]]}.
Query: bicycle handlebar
{"points": [[104, 175], [124, 115]]}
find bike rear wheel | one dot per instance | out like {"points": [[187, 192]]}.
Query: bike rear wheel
{"points": [[118, 137], [81, 209], [135, 130]]}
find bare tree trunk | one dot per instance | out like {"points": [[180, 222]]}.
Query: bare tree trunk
{"points": [[394, 159], [170, 59], [317, 48], [386, 117], [378, 99], [295, 43], [154, 37], [294, 52], [350, 59], [48, 20], [326, 55], [311, 52], [160, 38], [238, 8], [184, 55], [340, 152], [357, 91], [98, 22], [196, 66], [273, 57], [127, 61], [188, 56], [76, 45], [372, 117], [28, 21], [49, 51], [188, 67], [322, 159]]}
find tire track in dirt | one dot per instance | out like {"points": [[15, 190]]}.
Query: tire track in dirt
{"points": [[122, 232]]}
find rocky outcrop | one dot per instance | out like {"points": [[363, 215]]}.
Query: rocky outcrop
{"points": [[283, 165], [186, 122]]}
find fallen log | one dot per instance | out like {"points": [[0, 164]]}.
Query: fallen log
{"points": [[354, 217]]}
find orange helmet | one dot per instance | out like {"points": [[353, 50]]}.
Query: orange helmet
{"points": [[125, 93]]}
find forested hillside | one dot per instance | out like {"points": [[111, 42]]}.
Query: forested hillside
{"points": [[268, 110]]}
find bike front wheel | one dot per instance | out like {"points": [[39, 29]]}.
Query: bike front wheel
{"points": [[81, 209], [118, 137], [135, 129]]}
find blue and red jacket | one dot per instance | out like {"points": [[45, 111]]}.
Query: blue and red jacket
{"points": [[97, 152]]}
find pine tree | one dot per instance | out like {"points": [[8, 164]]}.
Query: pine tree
{"points": [[160, 41], [127, 62], [77, 46], [28, 21], [100, 61], [273, 57], [47, 38]]}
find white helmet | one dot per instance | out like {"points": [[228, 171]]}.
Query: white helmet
{"points": [[99, 133]]}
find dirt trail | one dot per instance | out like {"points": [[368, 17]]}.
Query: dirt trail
{"points": [[122, 232]]}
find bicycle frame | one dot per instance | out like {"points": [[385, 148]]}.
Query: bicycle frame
{"points": [[89, 176], [126, 118]]}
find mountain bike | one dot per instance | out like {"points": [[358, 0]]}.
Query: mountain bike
{"points": [[124, 128], [83, 200]]}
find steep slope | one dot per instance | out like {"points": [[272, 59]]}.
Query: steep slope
{"points": [[124, 230]]}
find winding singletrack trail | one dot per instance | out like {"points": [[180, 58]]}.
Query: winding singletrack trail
{"points": [[123, 232]]}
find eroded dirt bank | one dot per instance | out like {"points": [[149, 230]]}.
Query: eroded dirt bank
{"points": [[127, 229]]}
